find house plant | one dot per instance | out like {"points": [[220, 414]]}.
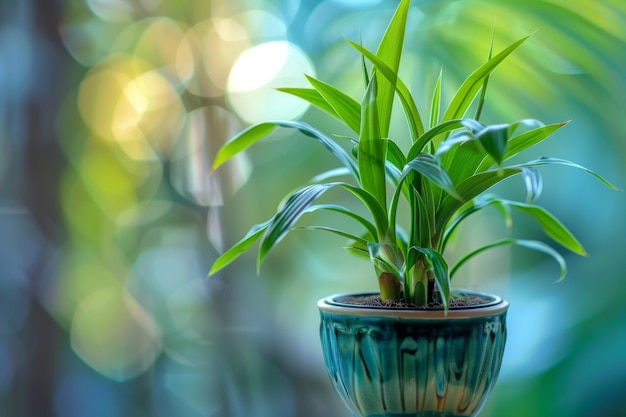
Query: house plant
{"points": [[416, 347]]}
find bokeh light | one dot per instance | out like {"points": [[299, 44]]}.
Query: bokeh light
{"points": [[260, 68], [126, 101], [112, 10], [114, 334]]}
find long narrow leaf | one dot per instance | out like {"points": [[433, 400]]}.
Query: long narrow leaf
{"points": [[462, 162], [422, 224], [311, 96], [329, 175], [548, 222], [528, 139], [376, 210], [534, 184], [435, 105], [347, 108], [470, 208], [483, 90], [411, 112], [366, 77], [239, 248], [530, 244], [475, 185], [254, 133], [551, 226], [242, 141], [395, 155], [288, 215], [519, 143], [471, 188], [439, 130], [369, 227], [344, 157], [472, 85], [390, 52], [347, 235], [393, 207], [372, 150], [427, 165], [557, 161], [385, 257]]}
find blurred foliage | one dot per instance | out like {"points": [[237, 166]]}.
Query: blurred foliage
{"points": [[110, 114]]}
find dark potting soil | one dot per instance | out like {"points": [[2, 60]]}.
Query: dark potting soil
{"points": [[457, 301]]}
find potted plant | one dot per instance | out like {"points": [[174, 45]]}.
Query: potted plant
{"points": [[415, 347]]}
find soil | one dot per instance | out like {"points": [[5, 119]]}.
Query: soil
{"points": [[457, 301]]}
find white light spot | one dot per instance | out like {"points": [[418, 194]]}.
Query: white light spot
{"points": [[262, 68]]}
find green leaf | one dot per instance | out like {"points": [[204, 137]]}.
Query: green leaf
{"points": [[390, 51], [372, 150], [494, 139], [376, 210], [385, 257], [241, 142], [483, 90], [239, 248], [530, 124], [366, 77], [311, 96], [344, 157], [557, 161], [408, 104], [461, 163], [369, 227], [329, 175], [393, 206], [516, 144], [347, 108], [427, 165], [421, 222], [551, 226], [284, 220], [534, 184], [471, 86], [435, 106], [254, 133], [531, 138], [347, 235], [530, 244], [470, 208], [548, 222], [442, 129], [471, 188], [358, 249], [395, 155]]}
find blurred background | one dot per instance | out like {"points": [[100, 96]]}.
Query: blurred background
{"points": [[110, 115]]}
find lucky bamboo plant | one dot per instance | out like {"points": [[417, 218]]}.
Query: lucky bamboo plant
{"points": [[442, 179]]}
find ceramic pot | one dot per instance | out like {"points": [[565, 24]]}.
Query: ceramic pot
{"points": [[413, 363]]}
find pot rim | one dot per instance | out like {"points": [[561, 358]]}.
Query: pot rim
{"points": [[329, 305]]}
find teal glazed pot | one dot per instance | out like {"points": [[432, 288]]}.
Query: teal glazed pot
{"points": [[413, 363]]}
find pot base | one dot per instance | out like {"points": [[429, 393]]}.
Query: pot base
{"points": [[420, 414]]}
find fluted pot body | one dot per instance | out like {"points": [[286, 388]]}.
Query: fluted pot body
{"points": [[413, 363]]}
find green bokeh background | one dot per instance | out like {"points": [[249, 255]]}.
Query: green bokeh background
{"points": [[110, 114]]}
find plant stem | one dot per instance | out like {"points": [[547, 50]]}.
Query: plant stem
{"points": [[390, 286]]}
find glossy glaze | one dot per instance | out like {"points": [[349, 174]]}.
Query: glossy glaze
{"points": [[415, 364]]}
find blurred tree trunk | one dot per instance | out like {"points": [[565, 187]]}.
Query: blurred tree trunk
{"points": [[36, 164]]}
